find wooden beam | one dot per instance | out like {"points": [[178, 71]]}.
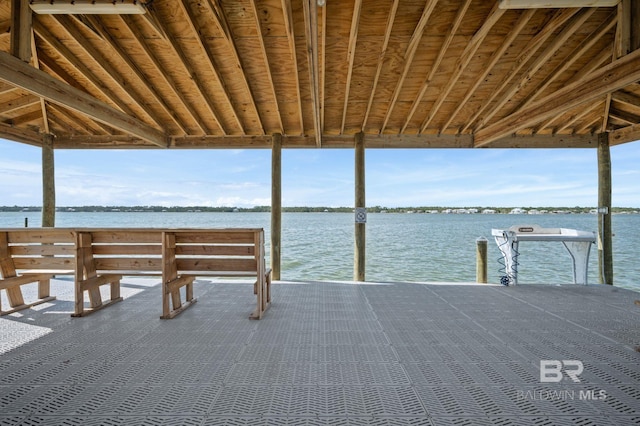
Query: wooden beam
{"points": [[359, 256], [608, 79], [291, 40], [436, 64], [462, 63], [29, 137], [387, 35], [374, 141], [605, 236], [625, 135], [276, 205], [18, 73], [310, 9], [409, 54], [351, 54], [21, 19]]}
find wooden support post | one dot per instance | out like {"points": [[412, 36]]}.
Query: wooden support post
{"points": [[605, 243], [21, 20], [48, 183], [276, 204], [360, 207], [481, 260]]}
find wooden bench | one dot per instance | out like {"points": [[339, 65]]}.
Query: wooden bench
{"points": [[33, 255], [100, 257], [220, 253]]}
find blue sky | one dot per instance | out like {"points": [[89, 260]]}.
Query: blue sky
{"points": [[320, 177]]}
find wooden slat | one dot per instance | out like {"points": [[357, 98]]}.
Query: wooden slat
{"points": [[216, 237], [204, 264], [42, 235], [127, 249], [137, 236], [44, 263], [128, 264], [215, 250], [43, 250]]}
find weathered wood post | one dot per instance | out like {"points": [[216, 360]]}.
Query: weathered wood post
{"points": [[48, 183], [276, 204], [360, 211], [481, 260], [605, 243]]}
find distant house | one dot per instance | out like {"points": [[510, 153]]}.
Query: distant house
{"points": [[518, 210]]}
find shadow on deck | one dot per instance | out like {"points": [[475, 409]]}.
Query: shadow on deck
{"points": [[326, 354]]}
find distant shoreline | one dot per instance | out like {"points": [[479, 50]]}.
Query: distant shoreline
{"points": [[374, 209]]}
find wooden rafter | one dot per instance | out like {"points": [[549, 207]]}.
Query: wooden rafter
{"points": [[464, 60], [18, 103], [143, 80], [28, 117], [351, 54], [408, 57], [532, 47], [436, 65], [291, 40], [211, 63], [311, 36], [537, 63], [184, 61], [221, 20], [65, 53], [102, 61], [495, 57], [589, 41], [608, 79], [165, 76], [265, 58], [387, 34], [18, 73]]}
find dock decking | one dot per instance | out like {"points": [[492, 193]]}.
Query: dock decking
{"points": [[326, 354]]}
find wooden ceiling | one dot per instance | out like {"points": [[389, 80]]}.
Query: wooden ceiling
{"points": [[407, 73]]}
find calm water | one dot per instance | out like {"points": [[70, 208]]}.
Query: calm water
{"points": [[400, 247]]}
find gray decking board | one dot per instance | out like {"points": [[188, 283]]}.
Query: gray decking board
{"points": [[325, 354]]}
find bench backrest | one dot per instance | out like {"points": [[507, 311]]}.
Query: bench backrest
{"points": [[214, 252], [50, 249]]}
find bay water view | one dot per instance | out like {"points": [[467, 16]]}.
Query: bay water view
{"points": [[400, 247]]}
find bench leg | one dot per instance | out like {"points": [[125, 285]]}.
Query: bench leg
{"points": [[16, 299], [95, 298], [171, 296]]}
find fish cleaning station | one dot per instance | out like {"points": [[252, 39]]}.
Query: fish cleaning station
{"points": [[101, 325]]}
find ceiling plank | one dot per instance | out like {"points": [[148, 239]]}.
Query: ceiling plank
{"points": [[29, 117], [559, 19], [464, 60], [221, 21], [409, 54], [165, 76], [144, 80], [20, 74], [608, 79], [578, 53], [265, 58], [192, 19], [351, 54], [387, 35], [291, 40], [102, 61], [436, 64], [311, 38], [7, 107], [577, 21], [497, 55], [177, 50], [64, 52]]}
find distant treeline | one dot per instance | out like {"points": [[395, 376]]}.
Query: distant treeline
{"points": [[375, 209]]}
